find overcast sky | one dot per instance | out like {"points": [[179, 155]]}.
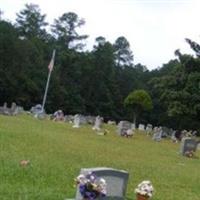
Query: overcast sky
{"points": [[154, 28]]}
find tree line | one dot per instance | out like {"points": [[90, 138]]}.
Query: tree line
{"points": [[96, 81]]}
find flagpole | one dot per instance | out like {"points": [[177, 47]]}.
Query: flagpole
{"points": [[47, 84]]}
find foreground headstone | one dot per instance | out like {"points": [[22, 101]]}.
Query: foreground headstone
{"points": [[116, 182], [188, 145]]}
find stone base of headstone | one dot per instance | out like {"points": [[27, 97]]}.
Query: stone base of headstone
{"points": [[100, 133], [96, 128], [40, 116], [76, 126], [142, 197]]}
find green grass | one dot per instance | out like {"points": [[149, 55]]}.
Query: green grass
{"points": [[57, 152]]}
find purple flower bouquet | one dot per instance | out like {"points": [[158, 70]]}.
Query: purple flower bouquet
{"points": [[90, 186]]}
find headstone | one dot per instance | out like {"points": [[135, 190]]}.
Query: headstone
{"points": [[40, 115], [116, 182], [141, 127], [187, 145], [38, 112], [5, 106], [173, 137], [149, 128], [5, 109], [198, 145], [133, 127], [14, 110], [157, 136], [69, 118], [166, 132], [83, 119], [76, 121], [111, 122], [91, 119], [13, 106], [58, 115], [98, 123], [155, 129], [36, 109], [123, 126], [20, 109], [194, 133]]}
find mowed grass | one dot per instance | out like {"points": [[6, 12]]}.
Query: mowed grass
{"points": [[57, 152]]}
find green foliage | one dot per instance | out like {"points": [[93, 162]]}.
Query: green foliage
{"points": [[138, 100], [65, 31], [178, 92], [31, 23], [123, 53], [194, 46]]}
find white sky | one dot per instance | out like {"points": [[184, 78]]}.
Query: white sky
{"points": [[154, 28]]}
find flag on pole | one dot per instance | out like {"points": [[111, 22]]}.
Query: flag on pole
{"points": [[51, 64]]}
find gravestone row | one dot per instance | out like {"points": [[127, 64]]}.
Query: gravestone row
{"points": [[13, 110]]}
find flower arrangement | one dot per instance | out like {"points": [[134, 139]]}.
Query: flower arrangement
{"points": [[90, 186], [189, 154], [145, 189]]}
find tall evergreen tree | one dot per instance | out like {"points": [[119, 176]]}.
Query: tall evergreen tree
{"points": [[194, 46], [65, 30], [31, 23], [123, 53]]}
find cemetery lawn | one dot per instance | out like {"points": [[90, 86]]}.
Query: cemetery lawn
{"points": [[57, 152]]}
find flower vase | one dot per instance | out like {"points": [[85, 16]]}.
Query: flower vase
{"points": [[142, 197]]}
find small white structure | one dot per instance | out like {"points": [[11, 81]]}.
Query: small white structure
{"points": [[133, 127], [157, 136], [76, 121], [141, 127], [98, 123]]}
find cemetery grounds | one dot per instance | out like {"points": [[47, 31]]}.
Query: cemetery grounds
{"points": [[56, 153]]}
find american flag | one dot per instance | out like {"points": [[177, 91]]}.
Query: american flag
{"points": [[51, 64]]}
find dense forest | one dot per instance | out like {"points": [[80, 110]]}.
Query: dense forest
{"points": [[94, 82]]}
